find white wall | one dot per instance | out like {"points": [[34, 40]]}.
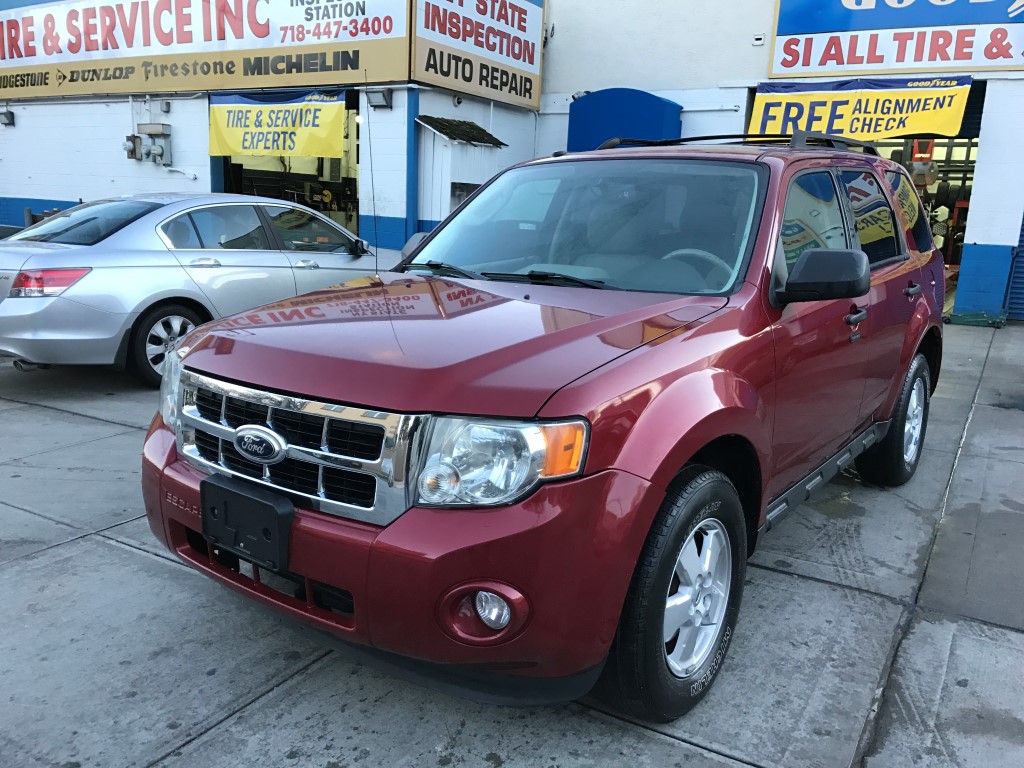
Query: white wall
{"points": [[383, 153], [997, 203], [435, 175], [443, 162], [655, 45], [70, 150]]}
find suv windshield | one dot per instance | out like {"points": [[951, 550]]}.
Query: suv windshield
{"points": [[87, 224], [667, 226]]}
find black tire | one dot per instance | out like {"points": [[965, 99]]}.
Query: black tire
{"points": [[887, 463], [638, 678], [139, 359]]}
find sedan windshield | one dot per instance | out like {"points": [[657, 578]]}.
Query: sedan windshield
{"points": [[667, 226], [87, 224]]}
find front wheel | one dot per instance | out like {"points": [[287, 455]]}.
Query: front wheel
{"points": [[683, 602], [156, 336], [894, 460]]}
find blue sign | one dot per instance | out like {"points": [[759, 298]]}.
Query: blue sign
{"points": [[860, 37], [801, 17]]}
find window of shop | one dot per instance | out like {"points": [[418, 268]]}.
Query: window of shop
{"points": [[319, 167]]}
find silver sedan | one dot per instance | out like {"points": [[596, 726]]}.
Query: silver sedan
{"points": [[120, 281]]}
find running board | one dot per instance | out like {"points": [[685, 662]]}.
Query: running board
{"points": [[780, 507]]}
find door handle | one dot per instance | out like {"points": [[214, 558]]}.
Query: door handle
{"points": [[306, 264], [856, 318], [205, 261], [912, 290]]}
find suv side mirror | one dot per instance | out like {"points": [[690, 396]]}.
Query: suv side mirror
{"points": [[821, 274], [413, 242]]}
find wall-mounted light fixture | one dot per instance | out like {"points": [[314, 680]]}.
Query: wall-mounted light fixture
{"points": [[7, 118], [379, 99]]}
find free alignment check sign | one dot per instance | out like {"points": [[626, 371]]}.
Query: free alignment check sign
{"points": [[865, 109]]}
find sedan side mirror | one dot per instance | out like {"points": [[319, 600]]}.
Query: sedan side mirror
{"points": [[362, 248], [412, 244], [821, 274]]}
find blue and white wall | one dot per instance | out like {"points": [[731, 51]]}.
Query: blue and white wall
{"points": [[997, 203], [61, 151], [406, 171]]}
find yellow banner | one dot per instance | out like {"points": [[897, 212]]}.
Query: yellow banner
{"points": [[310, 126], [862, 109]]}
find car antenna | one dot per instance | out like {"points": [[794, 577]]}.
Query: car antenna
{"points": [[373, 197]]}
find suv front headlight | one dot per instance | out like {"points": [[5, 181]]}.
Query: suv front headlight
{"points": [[476, 462], [170, 387]]}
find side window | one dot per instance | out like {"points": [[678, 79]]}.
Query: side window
{"points": [[873, 216], [181, 233], [232, 227], [813, 216], [302, 231], [910, 213]]}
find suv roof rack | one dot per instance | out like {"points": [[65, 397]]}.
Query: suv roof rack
{"points": [[797, 140]]}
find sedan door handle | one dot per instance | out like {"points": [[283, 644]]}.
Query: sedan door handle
{"points": [[856, 318], [912, 290], [205, 261], [306, 264]]}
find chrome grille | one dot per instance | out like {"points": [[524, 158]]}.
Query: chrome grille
{"points": [[342, 460]]}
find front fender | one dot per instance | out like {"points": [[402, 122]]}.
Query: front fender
{"points": [[686, 416]]}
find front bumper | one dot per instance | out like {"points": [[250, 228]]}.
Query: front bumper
{"points": [[58, 331], [569, 549]]}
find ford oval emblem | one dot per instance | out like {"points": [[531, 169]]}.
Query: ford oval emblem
{"points": [[260, 444]]}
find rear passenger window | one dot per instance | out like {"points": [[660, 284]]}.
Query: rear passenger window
{"points": [[873, 215], [910, 213], [813, 217], [231, 227], [181, 233]]}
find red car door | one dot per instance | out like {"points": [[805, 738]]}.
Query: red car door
{"points": [[819, 379], [896, 287]]}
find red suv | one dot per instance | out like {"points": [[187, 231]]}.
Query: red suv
{"points": [[542, 449]]}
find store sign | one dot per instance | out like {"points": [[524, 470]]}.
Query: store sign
{"points": [[131, 46], [826, 37], [489, 48], [312, 125], [862, 109]]}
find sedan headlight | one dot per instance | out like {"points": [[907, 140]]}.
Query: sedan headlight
{"points": [[473, 462], [170, 387]]}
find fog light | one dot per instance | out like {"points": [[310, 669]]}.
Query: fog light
{"points": [[492, 610]]}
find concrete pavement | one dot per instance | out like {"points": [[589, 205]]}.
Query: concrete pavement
{"points": [[879, 627]]}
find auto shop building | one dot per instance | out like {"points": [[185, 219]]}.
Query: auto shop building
{"points": [[381, 113]]}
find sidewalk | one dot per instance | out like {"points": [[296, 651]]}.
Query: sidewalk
{"points": [[879, 628]]}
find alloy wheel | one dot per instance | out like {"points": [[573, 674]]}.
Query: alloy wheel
{"points": [[914, 425], [698, 596], [163, 337]]}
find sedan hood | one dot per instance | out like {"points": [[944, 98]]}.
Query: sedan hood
{"points": [[422, 344]]}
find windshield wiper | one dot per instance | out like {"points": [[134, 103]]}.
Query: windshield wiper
{"points": [[550, 278], [441, 268]]}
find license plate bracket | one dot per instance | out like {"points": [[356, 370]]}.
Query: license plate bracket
{"points": [[247, 521]]}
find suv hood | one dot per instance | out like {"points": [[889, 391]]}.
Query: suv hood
{"points": [[423, 344]]}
